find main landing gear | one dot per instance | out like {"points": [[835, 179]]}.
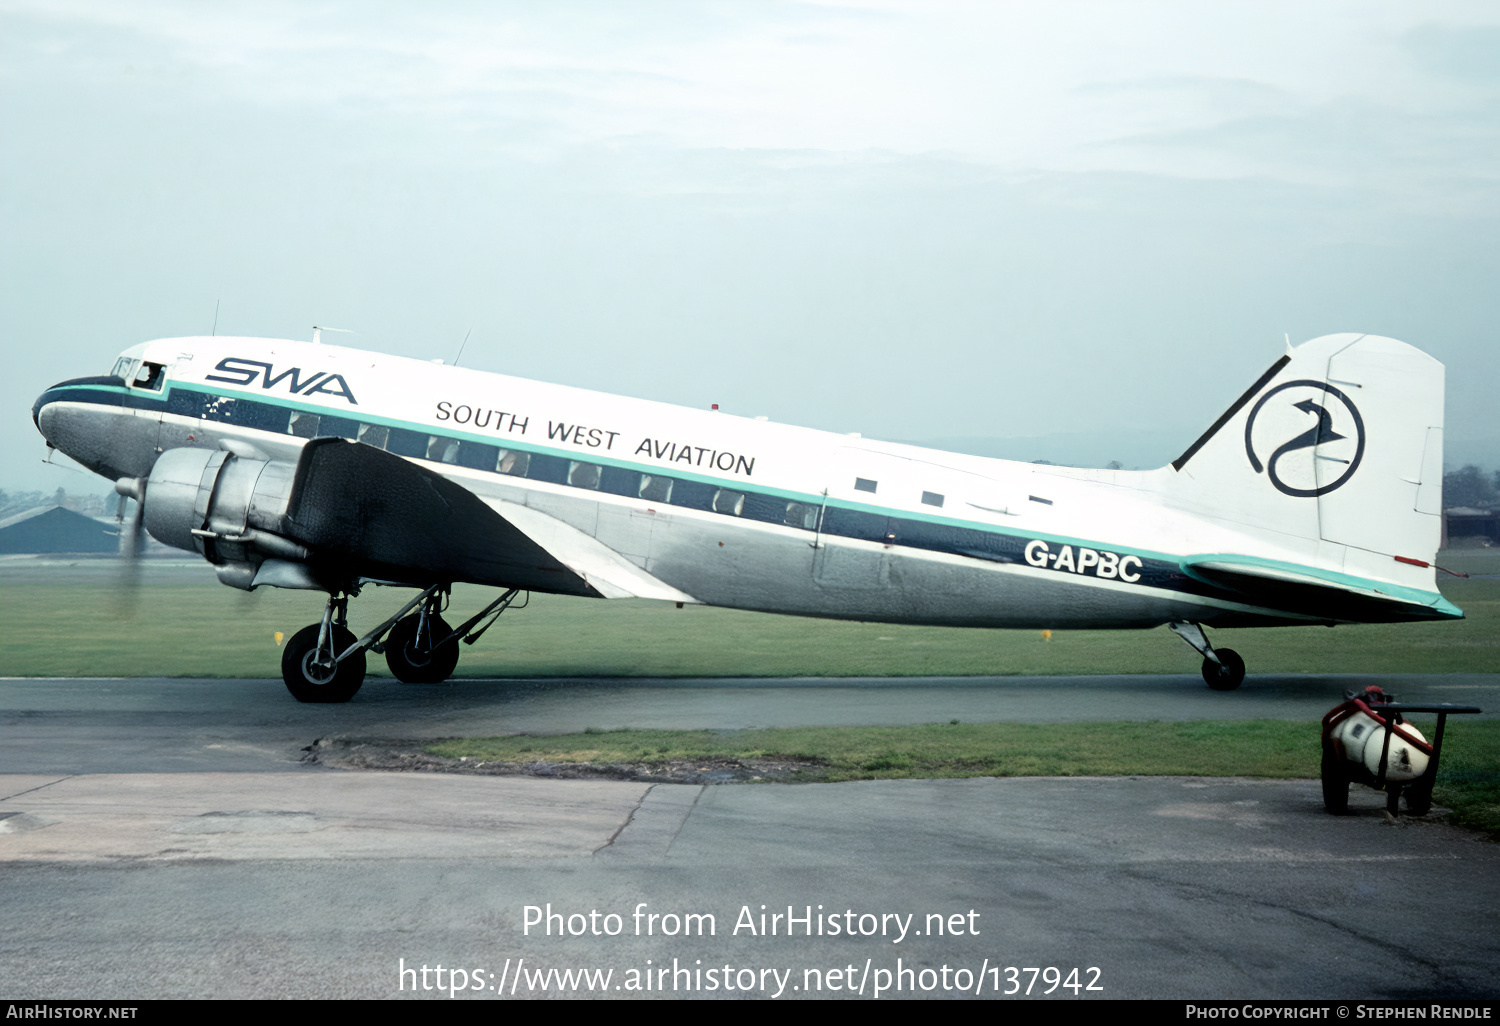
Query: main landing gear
{"points": [[322, 662], [325, 662], [410, 651], [1223, 669]]}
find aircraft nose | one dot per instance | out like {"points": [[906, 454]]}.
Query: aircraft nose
{"points": [[36, 407], [59, 390], [87, 418]]}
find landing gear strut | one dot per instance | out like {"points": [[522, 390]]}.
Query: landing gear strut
{"points": [[324, 662], [1223, 669], [419, 649]]}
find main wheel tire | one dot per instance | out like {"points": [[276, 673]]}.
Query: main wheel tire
{"points": [[309, 682], [412, 666], [1335, 781], [1228, 673]]}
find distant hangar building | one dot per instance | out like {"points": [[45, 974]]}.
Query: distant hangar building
{"points": [[55, 529], [1466, 525]]}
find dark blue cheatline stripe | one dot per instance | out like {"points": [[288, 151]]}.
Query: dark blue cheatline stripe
{"points": [[80, 392], [861, 524], [442, 449], [838, 521], [53, 393]]}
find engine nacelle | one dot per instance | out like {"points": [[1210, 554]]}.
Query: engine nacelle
{"points": [[231, 510]]}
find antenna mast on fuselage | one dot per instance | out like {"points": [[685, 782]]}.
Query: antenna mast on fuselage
{"points": [[318, 333]]}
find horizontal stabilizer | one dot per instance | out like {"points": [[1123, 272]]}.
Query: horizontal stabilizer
{"points": [[1309, 595]]}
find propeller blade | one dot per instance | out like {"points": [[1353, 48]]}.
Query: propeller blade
{"points": [[132, 542]]}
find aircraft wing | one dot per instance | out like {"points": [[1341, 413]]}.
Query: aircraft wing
{"points": [[397, 520], [604, 569], [365, 512]]}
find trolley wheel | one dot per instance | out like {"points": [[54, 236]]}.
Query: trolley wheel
{"points": [[1418, 800], [1228, 673], [1335, 781]]}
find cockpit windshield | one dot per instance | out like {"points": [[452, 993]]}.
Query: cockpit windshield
{"points": [[149, 376]]}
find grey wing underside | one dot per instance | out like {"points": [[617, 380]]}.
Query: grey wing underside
{"points": [[366, 513]]}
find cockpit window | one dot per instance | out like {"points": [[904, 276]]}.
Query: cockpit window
{"points": [[149, 376], [122, 368]]}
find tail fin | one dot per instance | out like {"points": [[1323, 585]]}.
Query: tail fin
{"points": [[1336, 452]]}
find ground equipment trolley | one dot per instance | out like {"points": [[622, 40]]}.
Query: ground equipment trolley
{"points": [[1367, 740]]}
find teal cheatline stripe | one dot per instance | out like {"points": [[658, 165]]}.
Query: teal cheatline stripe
{"points": [[765, 504]]}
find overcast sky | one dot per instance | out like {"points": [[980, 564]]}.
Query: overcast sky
{"points": [[915, 220]]}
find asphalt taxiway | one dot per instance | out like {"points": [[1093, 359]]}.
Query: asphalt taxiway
{"points": [[180, 724], [162, 838]]}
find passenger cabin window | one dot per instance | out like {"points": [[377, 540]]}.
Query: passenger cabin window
{"points": [[583, 475], [150, 376], [864, 484], [729, 502], [443, 450], [932, 499], [800, 514], [513, 463], [374, 434], [303, 425], [655, 488]]}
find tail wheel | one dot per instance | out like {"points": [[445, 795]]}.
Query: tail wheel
{"points": [[1336, 781], [413, 663], [311, 676], [1228, 673]]}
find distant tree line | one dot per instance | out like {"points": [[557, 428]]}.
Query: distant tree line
{"points": [[1470, 486]]}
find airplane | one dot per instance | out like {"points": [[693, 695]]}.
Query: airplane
{"points": [[1314, 498]]}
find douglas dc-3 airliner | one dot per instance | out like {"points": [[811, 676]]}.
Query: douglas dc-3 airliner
{"points": [[1314, 499]]}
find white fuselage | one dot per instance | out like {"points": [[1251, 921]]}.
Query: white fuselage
{"points": [[695, 505]]}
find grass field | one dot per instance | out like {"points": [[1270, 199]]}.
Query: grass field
{"points": [[1469, 777], [70, 619]]}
